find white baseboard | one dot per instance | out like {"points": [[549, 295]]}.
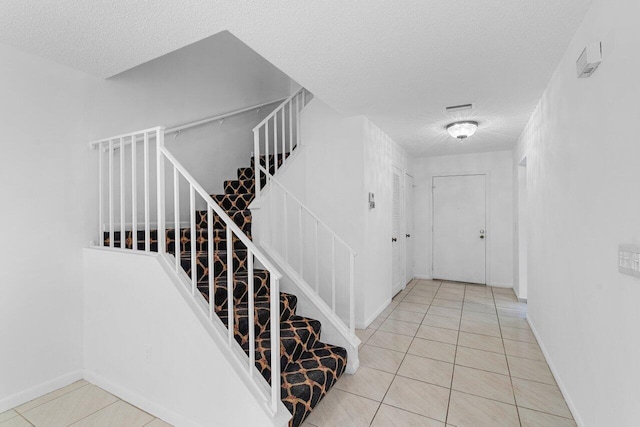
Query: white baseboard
{"points": [[501, 285], [422, 277], [368, 321], [135, 399], [39, 390], [556, 375]]}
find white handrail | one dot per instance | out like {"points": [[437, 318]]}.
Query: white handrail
{"points": [[278, 108], [220, 116], [93, 144]]}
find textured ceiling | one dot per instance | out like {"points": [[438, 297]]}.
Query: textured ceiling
{"points": [[400, 62]]}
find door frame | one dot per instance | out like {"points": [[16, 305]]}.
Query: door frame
{"points": [[401, 172], [487, 207], [407, 277]]}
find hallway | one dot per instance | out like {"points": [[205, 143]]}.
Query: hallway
{"points": [[449, 353]]}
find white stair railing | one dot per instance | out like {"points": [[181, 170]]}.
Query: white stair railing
{"points": [[309, 248], [326, 266], [277, 133], [118, 215]]}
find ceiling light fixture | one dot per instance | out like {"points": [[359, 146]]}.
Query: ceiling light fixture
{"points": [[462, 130]]}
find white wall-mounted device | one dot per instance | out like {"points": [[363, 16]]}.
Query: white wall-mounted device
{"points": [[372, 202], [589, 60], [629, 260]]}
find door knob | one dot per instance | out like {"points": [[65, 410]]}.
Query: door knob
{"points": [[393, 239], [407, 235]]}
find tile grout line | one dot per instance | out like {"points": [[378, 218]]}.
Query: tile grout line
{"points": [[530, 380], [395, 375], [95, 412], [513, 390], [453, 371], [23, 417], [44, 403]]}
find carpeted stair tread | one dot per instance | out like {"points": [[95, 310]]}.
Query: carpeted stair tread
{"points": [[288, 305], [308, 379], [262, 319], [245, 173], [297, 335], [129, 239], [240, 290], [239, 186], [263, 159], [237, 201], [242, 218], [202, 240], [219, 263]]}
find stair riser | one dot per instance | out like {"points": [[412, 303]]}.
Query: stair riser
{"points": [[219, 264], [307, 380], [240, 290], [234, 202], [262, 317], [241, 218], [202, 242], [241, 186], [296, 337], [249, 173], [129, 240], [245, 173], [263, 159]]}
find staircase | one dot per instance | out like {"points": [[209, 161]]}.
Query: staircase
{"points": [[309, 367]]}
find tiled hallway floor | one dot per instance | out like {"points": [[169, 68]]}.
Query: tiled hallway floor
{"points": [[447, 354], [80, 404]]}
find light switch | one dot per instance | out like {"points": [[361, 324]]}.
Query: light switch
{"points": [[629, 260]]}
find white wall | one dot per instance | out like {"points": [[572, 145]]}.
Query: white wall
{"points": [[582, 156], [143, 341], [498, 167], [42, 227]]}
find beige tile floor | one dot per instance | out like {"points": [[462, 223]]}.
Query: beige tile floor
{"points": [[441, 354], [80, 404], [447, 354]]}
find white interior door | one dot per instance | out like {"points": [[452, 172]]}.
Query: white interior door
{"points": [[408, 191], [397, 238], [459, 228]]}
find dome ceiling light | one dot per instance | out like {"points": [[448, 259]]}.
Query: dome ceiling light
{"points": [[462, 130]]}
